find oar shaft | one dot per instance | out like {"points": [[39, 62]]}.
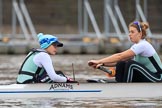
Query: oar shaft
{"points": [[105, 69]]}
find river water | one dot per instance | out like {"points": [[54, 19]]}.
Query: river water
{"points": [[10, 64]]}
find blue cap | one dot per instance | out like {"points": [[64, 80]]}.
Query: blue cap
{"points": [[46, 40]]}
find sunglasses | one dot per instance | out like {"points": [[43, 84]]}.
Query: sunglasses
{"points": [[138, 26]]}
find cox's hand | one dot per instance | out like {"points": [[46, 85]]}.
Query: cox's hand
{"points": [[70, 80]]}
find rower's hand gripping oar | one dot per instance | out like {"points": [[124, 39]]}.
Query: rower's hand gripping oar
{"points": [[110, 72]]}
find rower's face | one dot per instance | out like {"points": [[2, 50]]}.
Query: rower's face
{"points": [[134, 35], [52, 49]]}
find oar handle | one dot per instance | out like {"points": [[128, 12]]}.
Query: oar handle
{"points": [[105, 69]]}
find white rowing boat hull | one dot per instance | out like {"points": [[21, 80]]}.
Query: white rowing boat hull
{"points": [[74, 90]]}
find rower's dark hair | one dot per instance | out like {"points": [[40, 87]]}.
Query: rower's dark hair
{"points": [[143, 26]]}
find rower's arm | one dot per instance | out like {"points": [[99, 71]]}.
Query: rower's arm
{"points": [[113, 59]]}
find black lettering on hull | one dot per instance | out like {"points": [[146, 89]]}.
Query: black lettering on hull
{"points": [[55, 86]]}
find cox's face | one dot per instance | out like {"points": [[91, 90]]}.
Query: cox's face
{"points": [[52, 49], [134, 35]]}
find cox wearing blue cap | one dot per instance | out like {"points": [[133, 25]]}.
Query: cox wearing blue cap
{"points": [[49, 43], [46, 40], [38, 67]]}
